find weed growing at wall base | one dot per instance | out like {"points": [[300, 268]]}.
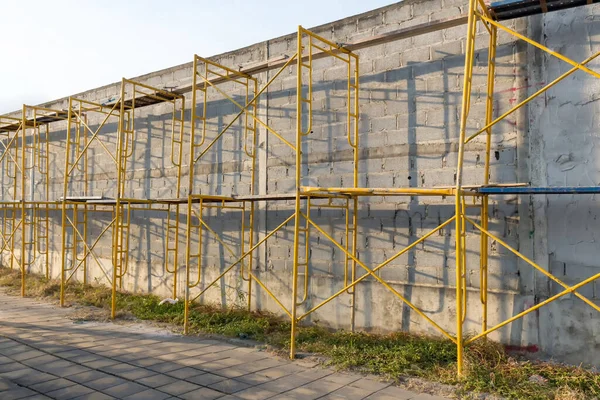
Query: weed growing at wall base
{"points": [[489, 368]]}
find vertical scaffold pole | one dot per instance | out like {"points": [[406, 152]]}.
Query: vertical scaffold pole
{"points": [[116, 228], [298, 182], [188, 244], [63, 226], [353, 115], [468, 72], [489, 114], [188, 222], [83, 131], [23, 194]]}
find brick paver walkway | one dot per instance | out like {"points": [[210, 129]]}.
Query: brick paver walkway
{"points": [[45, 354]]}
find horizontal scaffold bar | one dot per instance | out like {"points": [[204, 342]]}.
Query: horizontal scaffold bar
{"points": [[408, 191], [48, 117], [540, 190]]}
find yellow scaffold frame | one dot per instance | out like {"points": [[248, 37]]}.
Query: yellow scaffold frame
{"points": [[79, 140], [212, 74], [9, 129], [25, 217], [479, 12], [132, 95], [207, 74], [310, 46]]}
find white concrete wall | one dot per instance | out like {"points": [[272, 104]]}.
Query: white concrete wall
{"points": [[563, 137]]}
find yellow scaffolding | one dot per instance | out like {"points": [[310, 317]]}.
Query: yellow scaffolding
{"points": [[309, 47], [25, 182], [77, 202], [207, 77], [9, 129], [25, 205], [76, 206]]}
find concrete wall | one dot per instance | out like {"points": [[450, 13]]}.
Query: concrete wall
{"points": [[410, 105], [562, 145]]}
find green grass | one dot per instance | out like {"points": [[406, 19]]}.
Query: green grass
{"points": [[488, 367]]}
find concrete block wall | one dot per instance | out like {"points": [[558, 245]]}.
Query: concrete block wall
{"points": [[563, 138], [410, 101]]}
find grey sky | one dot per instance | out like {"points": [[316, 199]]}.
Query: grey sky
{"points": [[52, 49]]}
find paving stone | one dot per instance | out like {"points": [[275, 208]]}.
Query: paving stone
{"points": [[254, 379], [394, 392], [317, 388], [202, 394], [27, 355], [94, 396], [131, 357], [116, 368], [70, 354], [425, 396], [315, 373], [280, 371], [369, 384], [304, 393], [42, 360], [100, 363], [177, 388], [170, 356], [49, 386], [164, 367], [146, 362], [232, 372], [344, 379], [56, 366], [148, 395], [189, 362], [84, 358], [88, 376], [19, 374], [104, 383], [229, 386], [32, 379], [11, 367], [254, 393], [350, 393], [285, 384], [70, 392], [212, 366], [18, 393], [124, 389], [68, 371], [5, 360], [157, 380], [284, 397], [6, 385], [206, 379], [183, 373], [136, 373], [6, 344], [13, 350]]}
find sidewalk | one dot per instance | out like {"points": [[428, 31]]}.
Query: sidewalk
{"points": [[45, 354]]}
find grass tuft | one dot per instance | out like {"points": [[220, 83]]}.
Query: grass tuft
{"points": [[489, 368]]}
